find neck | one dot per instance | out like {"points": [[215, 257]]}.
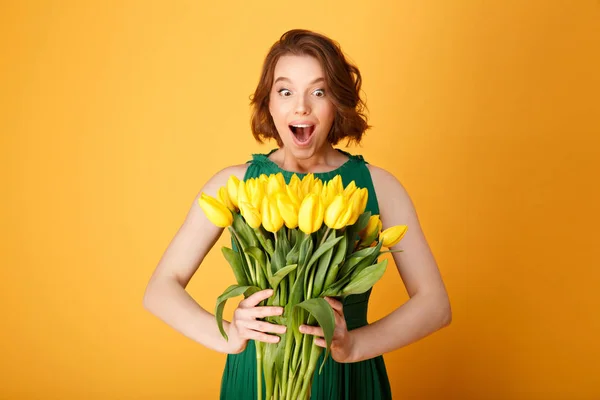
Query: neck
{"points": [[324, 160]]}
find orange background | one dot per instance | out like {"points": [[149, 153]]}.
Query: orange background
{"points": [[114, 114]]}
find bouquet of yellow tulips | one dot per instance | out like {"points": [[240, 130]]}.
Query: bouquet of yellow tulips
{"points": [[305, 240]]}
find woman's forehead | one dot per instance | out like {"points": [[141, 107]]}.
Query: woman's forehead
{"points": [[298, 69]]}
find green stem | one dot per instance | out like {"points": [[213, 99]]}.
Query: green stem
{"points": [[287, 353], [259, 371], [312, 365], [325, 236], [253, 277]]}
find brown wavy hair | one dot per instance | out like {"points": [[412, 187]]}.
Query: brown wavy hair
{"points": [[342, 77]]}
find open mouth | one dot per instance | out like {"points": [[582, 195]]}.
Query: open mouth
{"points": [[302, 132]]}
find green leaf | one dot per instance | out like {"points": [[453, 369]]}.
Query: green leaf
{"points": [[332, 274], [278, 260], [282, 240], [369, 254], [243, 230], [263, 238], [293, 255], [231, 291], [323, 313], [297, 290], [258, 255], [234, 259], [340, 253], [306, 248], [321, 274], [362, 221], [279, 275], [365, 279], [353, 230], [329, 243]]}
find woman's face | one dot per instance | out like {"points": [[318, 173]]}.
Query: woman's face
{"points": [[300, 105]]}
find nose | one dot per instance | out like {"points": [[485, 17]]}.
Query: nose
{"points": [[302, 106]]}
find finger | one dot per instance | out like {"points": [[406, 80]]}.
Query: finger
{"points": [[254, 299], [265, 327], [320, 342], [261, 337], [311, 330], [335, 304], [261, 312]]}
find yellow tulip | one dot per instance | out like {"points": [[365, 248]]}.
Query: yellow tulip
{"points": [[328, 194], [271, 218], [307, 183], [350, 189], [242, 194], [215, 211], [336, 183], [250, 214], [294, 180], [275, 183], [310, 215], [294, 193], [358, 202], [391, 236], [371, 231], [261, 182], [223, 197], [317, 187], [287, 209], [233, 184], [338, 213], [255, 189]]}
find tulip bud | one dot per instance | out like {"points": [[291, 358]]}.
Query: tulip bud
{"points": [[307, 183], [294, 193], [371, 231], [359, 203], [250, 214], [275, 184], [391, 236], [215, 211], [310, 216], [223, 197], [338, 213], [233, 184], [317, 187], [271, 219], [295, 180], [242, 193], [336, 183], [256, 191], [328, 194], [288, 210], [350, 189]]}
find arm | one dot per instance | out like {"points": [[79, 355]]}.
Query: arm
{"points": [[428, 308], [165, 294]]}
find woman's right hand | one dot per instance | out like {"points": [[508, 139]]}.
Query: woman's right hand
{"points": [[245, 324]]}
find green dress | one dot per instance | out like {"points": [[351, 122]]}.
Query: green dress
{"points": [[364, 380]]}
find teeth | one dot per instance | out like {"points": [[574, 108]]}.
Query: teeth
{"points": [[301, 126]]}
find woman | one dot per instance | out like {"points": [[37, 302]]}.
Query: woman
{"points": [[307, 100]]}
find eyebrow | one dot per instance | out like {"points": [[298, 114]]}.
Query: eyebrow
{"points": [[283, 78]]}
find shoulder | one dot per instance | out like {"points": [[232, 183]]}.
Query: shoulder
{"points": [[392, 197], [221, 177], [382, 177]]}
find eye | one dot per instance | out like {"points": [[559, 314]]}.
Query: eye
{"points": [[284, 92], [319, 92]]}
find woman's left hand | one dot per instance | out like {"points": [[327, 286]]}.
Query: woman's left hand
{"points": [[342, 342]]}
